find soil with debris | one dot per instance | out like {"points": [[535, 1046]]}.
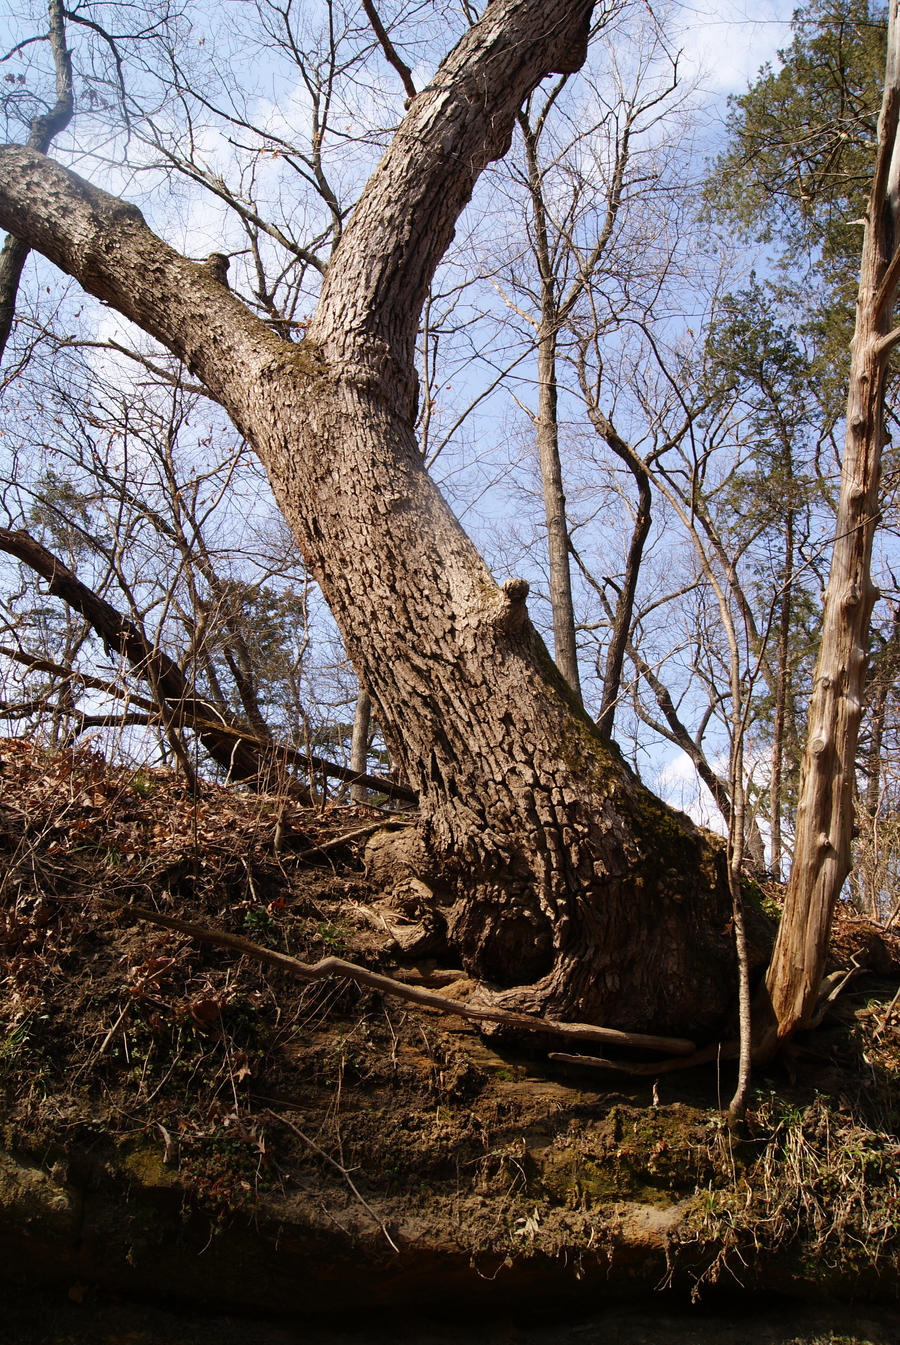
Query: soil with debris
{"points": [[183, 1124]]}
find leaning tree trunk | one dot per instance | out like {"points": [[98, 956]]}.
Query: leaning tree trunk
{"points": [[565, 884], [825, 808]]}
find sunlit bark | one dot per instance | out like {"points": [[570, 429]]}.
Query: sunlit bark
{"points": [[825, 810]]}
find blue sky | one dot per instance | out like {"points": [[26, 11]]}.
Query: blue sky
{"points": [[727, 43]]}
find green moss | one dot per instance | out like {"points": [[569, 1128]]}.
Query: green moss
{"points": [[655, 1158], [671, 855], [141, 783], [144, 1163], [557, 684]]}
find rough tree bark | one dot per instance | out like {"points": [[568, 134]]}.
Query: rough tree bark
{"points": [[825, 809], [565, 884]]}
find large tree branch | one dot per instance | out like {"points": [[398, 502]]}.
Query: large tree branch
{"points": [[371, 298], [197, 710], [379, 276], [104, 243]]}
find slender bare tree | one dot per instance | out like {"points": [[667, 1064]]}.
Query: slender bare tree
{"points": [[44, 129]]}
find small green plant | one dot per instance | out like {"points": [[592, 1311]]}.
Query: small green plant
{"points": [[813, 1177], [222, 1169], [259, 925], [334, 936], [12, 1047]]}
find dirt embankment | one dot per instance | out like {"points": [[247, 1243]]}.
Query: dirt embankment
{"points": [[182, 1120]]}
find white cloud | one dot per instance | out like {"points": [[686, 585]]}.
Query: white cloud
{"points": [[724, 45], [679, 785]]}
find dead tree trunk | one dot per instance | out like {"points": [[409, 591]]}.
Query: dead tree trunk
{"points": [[785, 603], [565, 885], [359, 743], [825, 809]]}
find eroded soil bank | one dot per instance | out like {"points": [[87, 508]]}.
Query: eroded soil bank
{"points": [[183, 1125]]}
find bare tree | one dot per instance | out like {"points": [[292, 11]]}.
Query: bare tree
{"points": [[44, 129], [569, 886], [170, 688], [589, 170]]}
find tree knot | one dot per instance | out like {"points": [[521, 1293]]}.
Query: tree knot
{"points": [[216, 267], [513, 613]]}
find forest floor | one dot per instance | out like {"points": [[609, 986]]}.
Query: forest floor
{"points": [[184, 1124]]}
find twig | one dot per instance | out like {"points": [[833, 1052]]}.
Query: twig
{"points": [[347, 836], [337, 966], [389, 49], [887, 1013], [311, 762], [339, 1167], [112, 1031]]}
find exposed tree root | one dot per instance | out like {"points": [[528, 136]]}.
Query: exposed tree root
{"points": [[336, 966], [727, 1050]]}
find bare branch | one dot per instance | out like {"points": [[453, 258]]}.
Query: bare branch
{"points": [[389, 49], [43, 131]]}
